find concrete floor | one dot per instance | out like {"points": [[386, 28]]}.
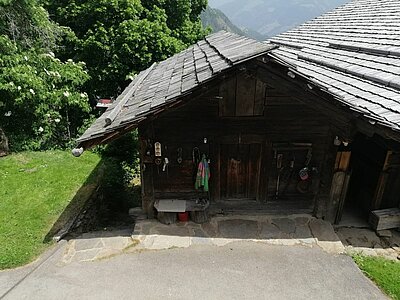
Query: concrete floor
{"points": [[239, 270], [235, 257]]}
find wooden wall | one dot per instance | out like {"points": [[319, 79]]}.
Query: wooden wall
{"points": [[243, 110]]}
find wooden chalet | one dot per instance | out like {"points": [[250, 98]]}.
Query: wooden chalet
{"points": [[307, 122]]}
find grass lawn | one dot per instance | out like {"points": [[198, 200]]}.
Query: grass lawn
{"points": [[35, 188], [385, 273]]}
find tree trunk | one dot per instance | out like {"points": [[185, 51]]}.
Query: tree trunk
{"points": [[4, 150]]}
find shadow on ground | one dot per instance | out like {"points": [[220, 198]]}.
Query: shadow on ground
{"points": [[81, 200], [366, 241]]}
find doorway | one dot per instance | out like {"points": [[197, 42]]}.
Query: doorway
{"points": [[366, 163]]}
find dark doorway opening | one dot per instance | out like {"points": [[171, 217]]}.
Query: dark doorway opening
{"points": [[366, 163]]}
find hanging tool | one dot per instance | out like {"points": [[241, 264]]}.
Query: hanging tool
{"points": [[196, 156], [279, 169], [303, 173], [149, 147], [303, 186], [179, 156], [289, 174], [165, 165]]}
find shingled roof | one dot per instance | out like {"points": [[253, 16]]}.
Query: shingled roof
{"points": [[353, 53], [175, 77]]}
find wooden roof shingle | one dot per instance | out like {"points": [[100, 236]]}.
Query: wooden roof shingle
{"points": [[352, 52], [174, 77]]}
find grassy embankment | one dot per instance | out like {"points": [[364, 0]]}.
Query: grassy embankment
{"points": [[35, 189], [385, 273]]}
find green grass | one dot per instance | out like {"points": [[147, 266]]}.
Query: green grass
{"points": [[35, 188], [385, 273]]}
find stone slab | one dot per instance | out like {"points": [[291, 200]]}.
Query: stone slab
{"points": [[85, 244], [86, 255], [161, 229], [238, 229], [117, 243], [209, 229], [167, 242], [302, 221], [323, 231], [359, 237], [331, 246], [285, 225], [270, 231], [302, 232]]}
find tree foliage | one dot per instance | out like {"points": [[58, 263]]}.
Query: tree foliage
{"points": [[41, 98], [26, 22], [98, 44], [119, 38]]}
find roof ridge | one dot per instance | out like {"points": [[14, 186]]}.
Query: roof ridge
{"points": [[206, 57], [216, 49]]}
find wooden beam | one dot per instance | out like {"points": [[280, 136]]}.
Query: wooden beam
{"points": [[382, 181], [147, 173]]}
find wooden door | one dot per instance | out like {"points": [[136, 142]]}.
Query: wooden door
{"points": [[240, 171]]}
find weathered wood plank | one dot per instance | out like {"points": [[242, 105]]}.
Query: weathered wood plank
{"points": [[227, 91], [382, 182], [259, 98], [245, 91], [338, 181], [385, 219]]}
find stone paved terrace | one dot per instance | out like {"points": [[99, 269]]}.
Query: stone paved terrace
{"points": [[221, 230], [301, 230]]}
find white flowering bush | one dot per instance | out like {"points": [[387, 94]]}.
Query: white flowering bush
{"points": [[42, 103]]}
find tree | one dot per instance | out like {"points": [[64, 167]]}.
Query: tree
{"points": [[119, 38], [27, 23], [41, 98]]}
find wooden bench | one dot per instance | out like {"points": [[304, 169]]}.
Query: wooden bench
{"points": [[167, 210], [385, 219]]}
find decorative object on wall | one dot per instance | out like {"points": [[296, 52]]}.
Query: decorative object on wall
{"points": [[179, 155], [303, 173], [157, 149], [336, 141]]}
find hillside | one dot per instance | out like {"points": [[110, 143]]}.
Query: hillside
{"points": [[217, 20], [271, 17]]}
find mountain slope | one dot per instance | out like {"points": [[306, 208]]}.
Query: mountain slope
{"points": [[217, 20], [270, 17]]}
